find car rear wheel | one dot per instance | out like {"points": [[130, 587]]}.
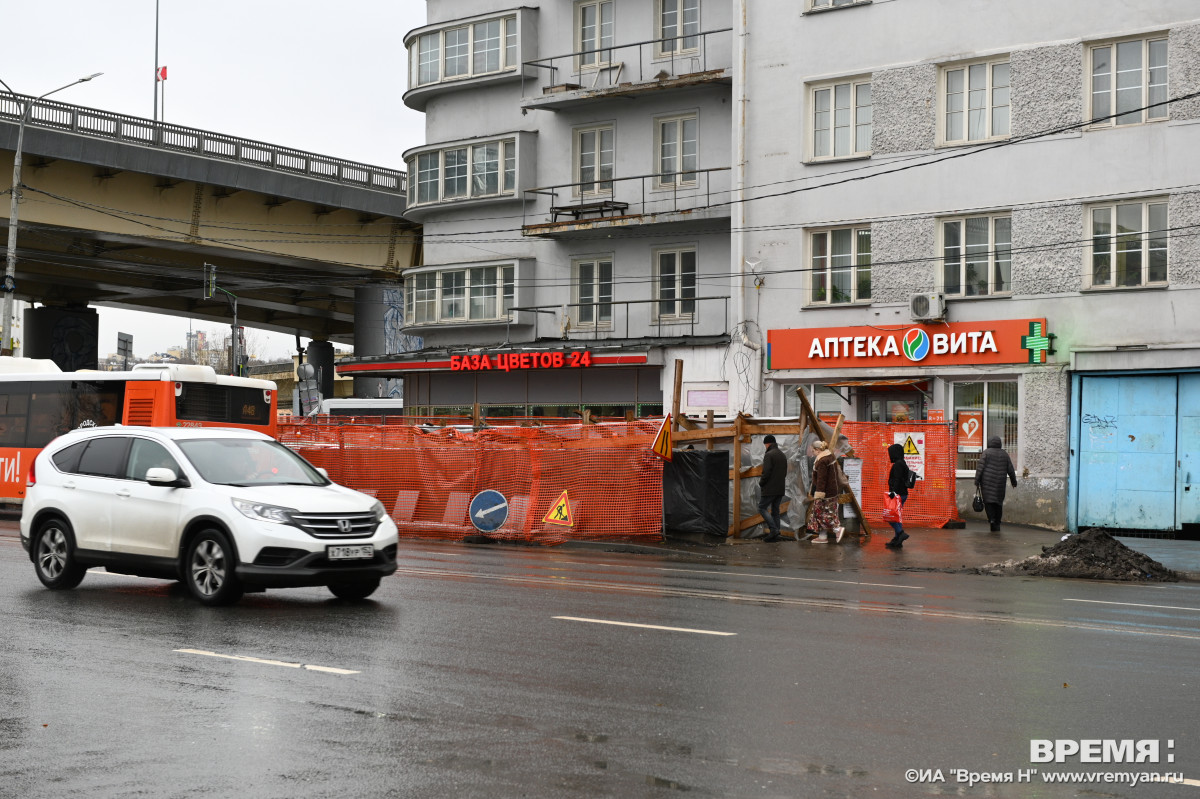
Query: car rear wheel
{"points": [[209, 569], [54, 556], [360, 589]]}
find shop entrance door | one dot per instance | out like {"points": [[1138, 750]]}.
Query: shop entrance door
{"points": [[901, 406]]}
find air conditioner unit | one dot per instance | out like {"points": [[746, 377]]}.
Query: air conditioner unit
{"points": [[926, 306]]}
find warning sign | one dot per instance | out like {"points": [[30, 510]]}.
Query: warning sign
{"points": [[662, 440], [560, 511], [914, 451]]}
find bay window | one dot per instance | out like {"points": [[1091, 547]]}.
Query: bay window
{"points": [[461, 294]]}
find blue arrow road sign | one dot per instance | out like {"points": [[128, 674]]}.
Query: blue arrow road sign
{"points": [[489, 510]]}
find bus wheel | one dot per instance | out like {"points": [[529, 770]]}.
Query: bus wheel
{"points": [[209, 569], [54, 556], [356, 590]]}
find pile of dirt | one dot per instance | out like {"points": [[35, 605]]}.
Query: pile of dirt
{"points": [[1091, 555]]}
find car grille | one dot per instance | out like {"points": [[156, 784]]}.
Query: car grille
{"points": [[336, 525]]}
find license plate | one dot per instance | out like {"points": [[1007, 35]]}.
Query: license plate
{"points": [[361, 552]]}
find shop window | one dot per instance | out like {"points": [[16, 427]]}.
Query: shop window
{"points": [[983, 410], [824, 400]]}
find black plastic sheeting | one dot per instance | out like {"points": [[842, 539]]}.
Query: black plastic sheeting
{"points": [[696, 492]]}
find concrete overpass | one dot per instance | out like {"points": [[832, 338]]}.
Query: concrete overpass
{"points": [[119, 211]]}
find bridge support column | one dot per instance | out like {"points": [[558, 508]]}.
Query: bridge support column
{"points": [[370, 307], [67, 335], [320, 355]]}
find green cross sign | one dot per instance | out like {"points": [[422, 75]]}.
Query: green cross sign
{"points": [[1037, 342]]}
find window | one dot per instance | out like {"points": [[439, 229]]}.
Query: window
{"points": [[831, 3], [478, 293], [841, 119], [678, 24], [1129, 244], [841, 265], [977, 255], [594, 149], [594, 32], [825, 401], [465, 171], [677, 151], [675, 275], [975, 102], [990, 404], [1129, 80], [482, 48], [104, 457], [593, 281]]}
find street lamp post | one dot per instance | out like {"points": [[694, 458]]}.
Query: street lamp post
{"points": [[10, 265]]}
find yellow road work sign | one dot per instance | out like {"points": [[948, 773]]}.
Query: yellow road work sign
{"points": [[662, 440], [910, 448], [560, 511]]}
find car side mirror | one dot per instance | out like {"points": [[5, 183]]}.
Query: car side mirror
{"points": [[162, 476], [322, 472]]}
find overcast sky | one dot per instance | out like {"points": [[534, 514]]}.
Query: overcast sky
{"points": [[320, 77]]}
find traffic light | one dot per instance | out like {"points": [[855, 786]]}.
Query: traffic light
{"points": [[210, 281]]}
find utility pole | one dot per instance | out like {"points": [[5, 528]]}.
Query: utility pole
{"points": [[210, 289]]}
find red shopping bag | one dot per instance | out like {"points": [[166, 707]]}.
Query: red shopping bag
{"points": [[891, 508]]}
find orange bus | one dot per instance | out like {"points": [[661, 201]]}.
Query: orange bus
{"points": [[39, 402]]}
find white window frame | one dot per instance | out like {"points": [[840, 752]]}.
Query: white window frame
{"points": [[685, 175], [816, 4], [1013, 448], [821, 267], [1153, 85], [680, 288], [1115, 243], [601, 185], [427, 294], [995, 250], [994, 97], [600, 316], [595, 60], [508, 51], [859, 115], [506, 165], [686, 38]]}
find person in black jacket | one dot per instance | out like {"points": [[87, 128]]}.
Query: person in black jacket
{"points": [[994, 466], [772, 485], [897, 487]]}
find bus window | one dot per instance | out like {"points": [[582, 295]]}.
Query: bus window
{"points": [[204, 402], [50, 413], [14, 408], [96, 403]]}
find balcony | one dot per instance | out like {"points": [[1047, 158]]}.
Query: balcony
{"points": [[651, 66], [658, 198], [628, 320]]}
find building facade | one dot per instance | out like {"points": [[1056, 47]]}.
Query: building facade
{"points": [[910, 209]]}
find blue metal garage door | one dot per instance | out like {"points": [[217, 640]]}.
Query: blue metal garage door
{"points": [[1189, 449], [1127, 464]]}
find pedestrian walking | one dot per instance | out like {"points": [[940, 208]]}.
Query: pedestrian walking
{"points": [[995, 469], [771, 486], [897, 487], [823, 520]]}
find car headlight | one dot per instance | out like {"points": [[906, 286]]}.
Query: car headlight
{"points": [[378, 510], [263, 513]]}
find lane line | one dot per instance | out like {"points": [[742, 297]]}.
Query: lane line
{"points": [[1131, 604], [800, 579], [827, 604], [265, 662], [642, 626]]}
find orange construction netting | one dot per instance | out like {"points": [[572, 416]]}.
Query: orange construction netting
{"points": [[932, 502], [561, 482]]}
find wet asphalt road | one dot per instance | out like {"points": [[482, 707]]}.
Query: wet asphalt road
{"points": [[461, 678]]}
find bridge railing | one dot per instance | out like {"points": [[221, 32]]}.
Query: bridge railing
{"points": [[176, 138]]}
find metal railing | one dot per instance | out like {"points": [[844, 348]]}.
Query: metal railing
{"points": [[691, 53], [599, 322], [655, 193], [175, 138]]}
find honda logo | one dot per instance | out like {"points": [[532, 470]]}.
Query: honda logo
{"points": [[345, 526]]}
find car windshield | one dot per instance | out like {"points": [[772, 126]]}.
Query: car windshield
{"points": [[249, 462]]}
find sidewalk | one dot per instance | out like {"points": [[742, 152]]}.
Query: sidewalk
{"points": [[926, 548]]}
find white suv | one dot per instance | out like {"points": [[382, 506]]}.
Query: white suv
{"points": [[225, 511]]}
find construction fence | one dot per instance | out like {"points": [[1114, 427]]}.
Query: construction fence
{"points": [[931, 451], [561, 482]]}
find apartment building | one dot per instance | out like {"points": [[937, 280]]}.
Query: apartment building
{"points": [[969, 211]]}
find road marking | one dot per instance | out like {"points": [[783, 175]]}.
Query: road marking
{"points": [[643, 626], [265, 662], [1132, 604], [801, 579]]}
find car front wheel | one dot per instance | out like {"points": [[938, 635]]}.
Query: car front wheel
{"points": [[356, 590], [54, 556], [209, 569]]}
